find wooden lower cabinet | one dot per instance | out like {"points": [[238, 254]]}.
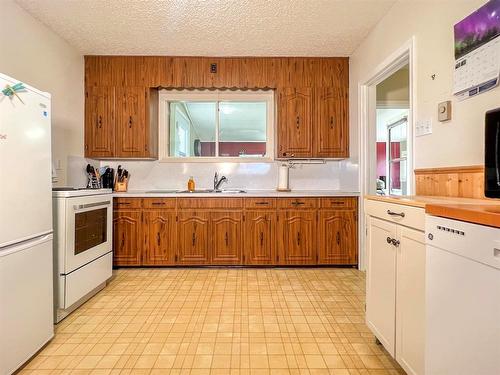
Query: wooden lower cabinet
{"points": [[127, 239], [159, 238], [338, 236], [297, 237], [259, 237], [193, 237], [216, 231], [227, 241]]}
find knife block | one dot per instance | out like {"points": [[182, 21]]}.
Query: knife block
{"points": [[122, 185]]}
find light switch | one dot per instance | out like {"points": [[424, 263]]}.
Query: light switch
{"points": [[423, 127], [444, 111]]}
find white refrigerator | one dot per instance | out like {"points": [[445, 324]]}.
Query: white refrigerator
{"points": [[26, 278]]}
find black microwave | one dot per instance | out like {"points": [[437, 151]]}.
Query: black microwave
{"points": [[492, 154]]}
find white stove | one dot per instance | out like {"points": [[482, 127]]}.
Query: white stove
{"points": [[68, 192], [83, 258]]}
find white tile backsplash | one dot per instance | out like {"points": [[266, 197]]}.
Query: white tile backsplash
{"points": [[339, 175]]}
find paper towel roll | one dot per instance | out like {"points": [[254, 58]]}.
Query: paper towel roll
{"points": [[283, 177]]}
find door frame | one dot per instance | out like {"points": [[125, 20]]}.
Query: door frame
{"points": [[404, 55]]}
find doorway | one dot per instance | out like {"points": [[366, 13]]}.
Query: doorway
{"points": [[392, 110]]}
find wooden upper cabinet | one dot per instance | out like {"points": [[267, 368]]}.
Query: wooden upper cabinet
{"points": [[127, 238], [337, 237], [259, 237], [297, 237], [193, 238], [121, 122], [226, 233], [160, 233], [99, 121], [295, 122], [131, 130], [331, 138]]}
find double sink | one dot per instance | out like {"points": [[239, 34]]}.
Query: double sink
{"points": [[201, 191]]}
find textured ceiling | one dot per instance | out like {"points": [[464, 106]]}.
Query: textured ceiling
{"points": [[211, 27]]}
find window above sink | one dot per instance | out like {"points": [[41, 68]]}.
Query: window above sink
{"points": [[219, 125]]}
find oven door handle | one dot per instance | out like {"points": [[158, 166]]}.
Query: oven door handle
{"points": [[89, 205]]}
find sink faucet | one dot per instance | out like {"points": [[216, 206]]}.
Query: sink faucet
{"points": [[218, 182]]}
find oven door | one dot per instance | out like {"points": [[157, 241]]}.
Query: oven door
{"points": [[89, 230]]}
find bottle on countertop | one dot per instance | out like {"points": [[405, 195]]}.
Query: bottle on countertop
{"points": [[191, 184]]}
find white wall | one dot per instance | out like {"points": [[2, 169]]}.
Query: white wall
{"points": [[32, 53], [454, 143]]}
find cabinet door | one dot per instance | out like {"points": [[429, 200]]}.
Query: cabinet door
{"points": [[331, 123], [193, 244], [381, 281], [410, 297], [259, 237], [159, 238], [127, 239], [131, 122], [99, 122], [227, 237], [337, 237], [294, 122], [297, 240]]}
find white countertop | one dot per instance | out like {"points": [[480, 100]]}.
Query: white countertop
{"points": [[249, 193]]}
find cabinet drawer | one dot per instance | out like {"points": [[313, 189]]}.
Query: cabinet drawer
{"points": [[127, 203], [413, 217], [210, 202], [159, 203], [297, 203], [260, 203], [339, 203]]}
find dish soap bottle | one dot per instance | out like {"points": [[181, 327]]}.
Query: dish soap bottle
{"points": [[191, 184]]}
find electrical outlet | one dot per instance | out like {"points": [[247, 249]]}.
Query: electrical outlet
{"points": [[423, 127]]}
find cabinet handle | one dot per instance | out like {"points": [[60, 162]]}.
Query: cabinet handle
{"points": [[297, 203], [158, 238], [194, 238], [226, 238], [130, 122], [261, 203], [99, 122], [389, 240], [123, 241], [298, 122], [298, 238], [338, 238], [122, 203], [401, 214], [395, 242], [158, 203], [331, 122], [261, 239]]}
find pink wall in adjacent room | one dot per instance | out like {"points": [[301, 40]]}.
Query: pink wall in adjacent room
{"points": [[381, 155]]}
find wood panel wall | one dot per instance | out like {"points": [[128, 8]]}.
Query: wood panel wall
{"points": [[232, 72], [462, 182]]}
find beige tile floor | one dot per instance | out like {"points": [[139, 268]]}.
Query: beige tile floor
{"points": [[220, 321]]}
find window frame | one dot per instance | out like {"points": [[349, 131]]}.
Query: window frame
{"points": [[167, 96]]}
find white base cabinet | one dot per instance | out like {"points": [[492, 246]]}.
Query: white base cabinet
{"points": [[395, 281]]}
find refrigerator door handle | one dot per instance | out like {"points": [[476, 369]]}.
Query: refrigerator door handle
{"points": [[19, 246]]}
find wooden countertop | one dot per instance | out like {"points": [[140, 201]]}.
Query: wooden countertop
{"points": [[477, 214], [478, 211]]}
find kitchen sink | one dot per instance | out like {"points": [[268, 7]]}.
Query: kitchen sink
{"points": [[231, 191]]}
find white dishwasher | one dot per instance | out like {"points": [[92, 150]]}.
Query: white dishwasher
{"points": [[462, 298]]}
